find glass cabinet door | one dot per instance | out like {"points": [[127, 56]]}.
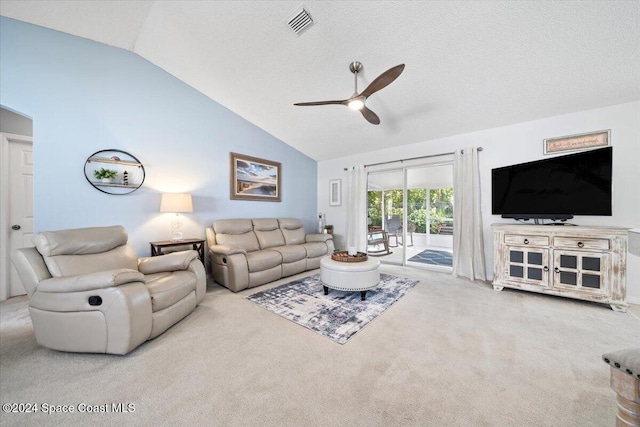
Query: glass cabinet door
{"points": [[580, 271], [528, 265]]}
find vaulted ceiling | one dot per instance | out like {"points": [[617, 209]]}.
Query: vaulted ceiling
{"points": [[469, 65]]}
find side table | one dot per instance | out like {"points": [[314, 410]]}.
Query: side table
{"points": [[196, 244]]}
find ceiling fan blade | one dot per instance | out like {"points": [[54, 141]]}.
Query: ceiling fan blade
{"points": [[370, 116], [383, 80], [307, 104]]}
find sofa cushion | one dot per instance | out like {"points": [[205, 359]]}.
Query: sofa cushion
{"points": [[80, 241], [263, 260], [265, 224], [167, 289], [71, 265], [292, 230], [291, 253], [85, 250], [315, 249], [268, 233], [236, 232], [232, 226]]}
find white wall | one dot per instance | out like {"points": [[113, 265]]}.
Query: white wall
{"points": [[419, 177], [518, 143], [17, 124]]}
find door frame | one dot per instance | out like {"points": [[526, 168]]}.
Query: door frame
{"points": [[5, 265], [404, 206], [404, 169]]}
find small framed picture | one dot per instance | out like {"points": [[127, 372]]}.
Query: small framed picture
{"points": [[335, 192], [579, 142]]}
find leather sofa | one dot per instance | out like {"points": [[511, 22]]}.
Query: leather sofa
{"points": [[90, 293], [245, 253]]}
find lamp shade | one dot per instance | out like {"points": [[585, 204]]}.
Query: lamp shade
{"points": [[174, 202]]}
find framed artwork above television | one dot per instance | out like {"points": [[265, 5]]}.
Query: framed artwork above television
{"points": [[583, 141]]}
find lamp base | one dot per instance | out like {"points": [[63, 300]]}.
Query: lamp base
{"points": [[176, 229]]}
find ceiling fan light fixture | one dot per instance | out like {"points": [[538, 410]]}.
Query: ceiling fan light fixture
{"points": [[357, 100], [356, 104]]}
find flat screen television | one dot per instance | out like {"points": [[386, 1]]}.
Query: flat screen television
{"points": [[555, 188]]}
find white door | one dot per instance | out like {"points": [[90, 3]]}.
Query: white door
{"points": [[19, 223]]}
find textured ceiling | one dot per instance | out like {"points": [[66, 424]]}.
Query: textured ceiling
{"points": [[469, 65]]}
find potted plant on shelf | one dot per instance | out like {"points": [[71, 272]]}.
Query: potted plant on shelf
{"points": [[328, 229], [105, 175]]}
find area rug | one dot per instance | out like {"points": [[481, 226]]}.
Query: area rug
{"points": [[339, 315], [431, 256]]}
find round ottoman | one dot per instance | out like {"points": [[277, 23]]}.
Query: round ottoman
{"points": [[349, 276]]}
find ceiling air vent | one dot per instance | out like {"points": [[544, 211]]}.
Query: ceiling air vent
{"points": [[299, 21]]}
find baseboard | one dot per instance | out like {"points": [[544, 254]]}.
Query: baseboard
{"points": [[633, 300]]}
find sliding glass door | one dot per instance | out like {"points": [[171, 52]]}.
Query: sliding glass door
{"points": [[385, 211], [430, 216], [410, 215]]}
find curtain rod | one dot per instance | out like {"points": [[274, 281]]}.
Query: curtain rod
{"points": [[413, 158]]}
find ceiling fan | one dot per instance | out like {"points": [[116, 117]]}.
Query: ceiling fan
{"points": [[357, 100]]}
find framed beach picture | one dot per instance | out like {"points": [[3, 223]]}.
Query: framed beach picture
{"points": [[254, 179]]}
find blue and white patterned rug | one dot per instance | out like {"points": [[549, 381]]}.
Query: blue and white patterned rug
{"points": [[431, 256], [339, 315]]}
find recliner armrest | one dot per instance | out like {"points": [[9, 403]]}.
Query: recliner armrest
{"points": [[30, 267], [91, 281], [176, 261], [227, 250], [318, 237]]}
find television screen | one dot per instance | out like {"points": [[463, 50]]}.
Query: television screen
{"points": [[575, 184]]}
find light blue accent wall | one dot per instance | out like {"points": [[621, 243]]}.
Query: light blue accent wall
{"points": [[85, 96]]}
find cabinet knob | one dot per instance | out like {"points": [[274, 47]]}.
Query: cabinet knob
{"points": [[545, 268], [580, 245], [15, 227], [526, 241], [557, 270]]}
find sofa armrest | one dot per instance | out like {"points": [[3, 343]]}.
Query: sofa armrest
{"points": [[226, 250], [91, 281], [318, 237], [176, 261]]}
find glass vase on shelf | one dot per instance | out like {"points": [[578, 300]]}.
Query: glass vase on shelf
{"points": [[320, 223]]}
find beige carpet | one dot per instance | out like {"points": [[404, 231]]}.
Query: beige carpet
{"points": [[451, 352]]}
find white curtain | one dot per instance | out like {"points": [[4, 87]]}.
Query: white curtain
{"points": [[357, 209], [468, 246]]}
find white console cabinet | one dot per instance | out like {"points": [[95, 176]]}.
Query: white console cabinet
{"points": [[587, 263]]}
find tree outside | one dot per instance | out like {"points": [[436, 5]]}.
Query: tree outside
{"points": [[374, 208], [440, 207]]}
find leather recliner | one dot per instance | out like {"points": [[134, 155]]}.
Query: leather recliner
{"points": [[90, 293]]}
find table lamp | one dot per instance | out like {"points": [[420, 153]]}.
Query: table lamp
{"points": [[176, 203]]}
